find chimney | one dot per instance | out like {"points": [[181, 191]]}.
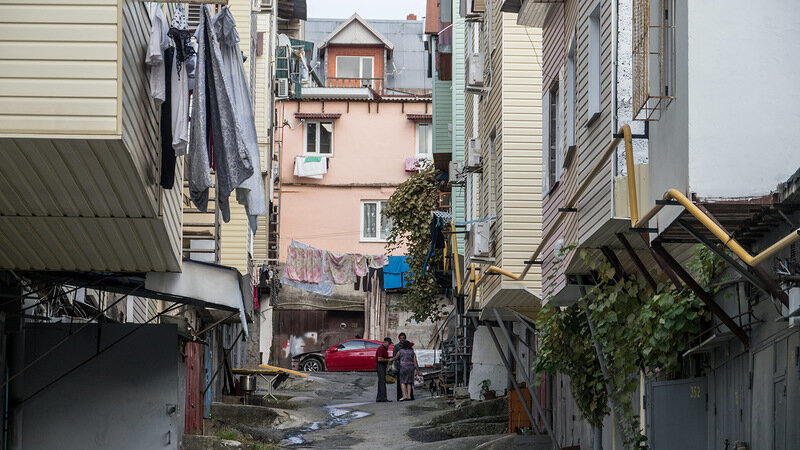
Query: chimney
{"points": [[411, 17]]}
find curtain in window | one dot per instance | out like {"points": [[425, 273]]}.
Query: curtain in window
{"points": [[370, 214]]}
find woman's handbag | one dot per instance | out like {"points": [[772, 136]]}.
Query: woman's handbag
{"points": [[419, 381], [393, 370], [390, 379]]}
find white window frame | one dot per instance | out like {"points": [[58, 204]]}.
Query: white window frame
{"points": [[378, 220], [572, 78], [316, 138], [595, 49], [360, 65], [429, 155]]}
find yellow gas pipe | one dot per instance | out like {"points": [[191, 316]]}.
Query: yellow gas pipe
{"points": [[703, 218]]}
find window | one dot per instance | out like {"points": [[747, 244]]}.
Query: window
{"points": [[551, 150], [424, 140], [571, 88], [374, 226], [351, 345], [372, 344], [594, 64], [354, 67], [319, 138]]}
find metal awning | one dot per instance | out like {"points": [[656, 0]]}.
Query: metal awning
{"points": [[206, 285], [514, 298]]}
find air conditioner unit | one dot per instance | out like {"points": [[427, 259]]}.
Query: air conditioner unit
{"points": [[467, 10], [480, 240], [454, 170], [473, 160], [474, 71], [262, 6], [283, 88]]}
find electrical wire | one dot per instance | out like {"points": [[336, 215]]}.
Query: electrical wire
{"points": [[58, 344]]}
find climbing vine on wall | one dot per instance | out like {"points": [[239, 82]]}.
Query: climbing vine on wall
{"points": [[637, 327], [409, 208]]}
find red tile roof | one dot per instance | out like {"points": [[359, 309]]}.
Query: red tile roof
{"points": [[420, 117]]}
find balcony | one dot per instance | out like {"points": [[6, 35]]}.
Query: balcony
{"points": [[79, 142], [376, 84]]}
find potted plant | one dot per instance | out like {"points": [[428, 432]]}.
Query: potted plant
{"points": [[486, 392]]}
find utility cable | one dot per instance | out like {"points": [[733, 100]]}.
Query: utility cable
{"points": [[58, 344]]}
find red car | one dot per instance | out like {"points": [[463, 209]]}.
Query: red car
{"points": [[350, 355]]}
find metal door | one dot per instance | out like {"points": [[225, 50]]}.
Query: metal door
{"points": [[677, 414], [107, 386]]}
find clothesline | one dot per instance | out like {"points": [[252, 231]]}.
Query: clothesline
{"points": [[317, 270]]}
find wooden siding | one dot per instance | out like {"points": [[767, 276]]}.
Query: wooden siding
{"points": [[458, 96], [490, 117], [442, 116], [521, 148], [594, 206], [555, 53], [57, 59]]}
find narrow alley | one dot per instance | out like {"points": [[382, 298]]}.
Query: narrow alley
{"points": [[543, 224]]}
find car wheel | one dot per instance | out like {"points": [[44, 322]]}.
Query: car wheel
{"points": [[311, 365]]}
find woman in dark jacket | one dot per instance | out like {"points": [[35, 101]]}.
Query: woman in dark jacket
{"points": [[408, 368], [401, 338]]}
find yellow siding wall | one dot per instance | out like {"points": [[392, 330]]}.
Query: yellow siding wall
{"points": [[512, 171], [233, 235], [59, 67], [491, 122], [522, 147]]}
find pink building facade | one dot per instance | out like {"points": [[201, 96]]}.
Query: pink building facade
{"points": [[364, 146]]}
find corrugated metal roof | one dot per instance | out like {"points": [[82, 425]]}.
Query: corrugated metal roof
{"points": [[407, 69]]}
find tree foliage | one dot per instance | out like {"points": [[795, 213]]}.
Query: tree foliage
{"points": [[409, 209], [638, 328]]}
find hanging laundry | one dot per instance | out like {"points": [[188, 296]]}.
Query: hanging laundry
{"points": [[310, 166], [340, 268], [167, 152], [182, 69], [360, 264], [395, 274], [304, 264], [156, 47], [250, 193], [324, 287], [214, 122], [377, 261]]}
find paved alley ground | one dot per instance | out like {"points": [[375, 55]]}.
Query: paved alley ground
{"points": [[342, 413], [338, 410]]}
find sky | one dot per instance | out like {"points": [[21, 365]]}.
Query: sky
{"points": [[368, 9]]}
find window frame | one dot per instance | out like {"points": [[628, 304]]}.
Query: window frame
{"points": [[595, 35], [427, 156], [316, 137], [572, 89], [553, 95], [378, 220], [360, 66]]}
